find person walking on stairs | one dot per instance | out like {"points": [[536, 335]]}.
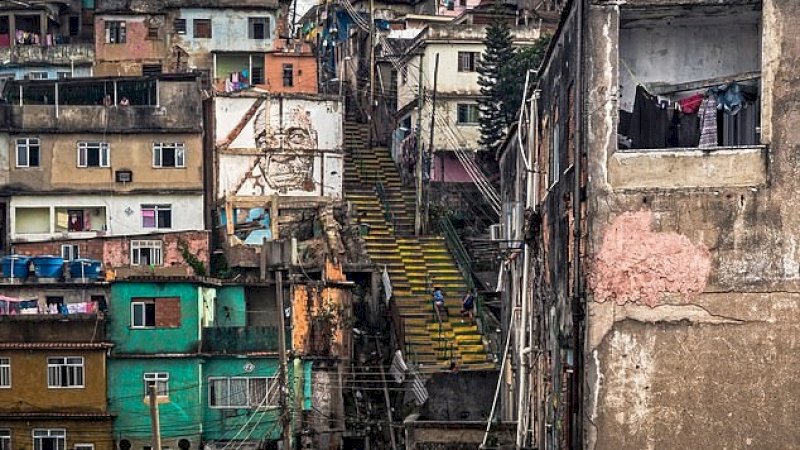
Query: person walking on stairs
{"points": [[438, 304], [468, 304]]}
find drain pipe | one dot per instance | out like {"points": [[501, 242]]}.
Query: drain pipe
{"points": [[577, 296]]}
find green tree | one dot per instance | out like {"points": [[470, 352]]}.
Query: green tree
{"points": [[512, 76], [498, 51]]}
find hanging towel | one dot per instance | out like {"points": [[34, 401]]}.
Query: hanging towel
{"points": [[708, 122]]}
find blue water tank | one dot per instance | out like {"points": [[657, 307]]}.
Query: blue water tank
{"points": [[85, 268], [15, 266], [47, 266]]}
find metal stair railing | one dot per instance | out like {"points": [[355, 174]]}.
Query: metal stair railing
{"points": [[388, 214], [457, 249]]}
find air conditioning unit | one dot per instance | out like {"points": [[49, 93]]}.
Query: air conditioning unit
{"points": [[497, 232], [123, 176]]}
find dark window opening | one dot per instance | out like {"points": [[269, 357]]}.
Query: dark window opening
{"points": [[115, 32], [151, 69], [74, 25], [202, 28], [288, 75], [258, 75], [258, 27], [180, 26]]}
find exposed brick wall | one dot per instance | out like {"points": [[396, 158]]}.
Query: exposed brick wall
{"points": [[115, 251]]}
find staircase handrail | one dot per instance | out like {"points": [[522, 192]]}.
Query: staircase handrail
{"points": [[460, 254], [388, 214]]}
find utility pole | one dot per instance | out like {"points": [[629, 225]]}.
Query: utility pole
{"points": [[154, 422], [426, 216], [386, 393], [371, 70], [287, 432], [420, 153]]}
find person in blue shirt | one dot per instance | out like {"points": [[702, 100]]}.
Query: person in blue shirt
{"points": [[438, 302]]}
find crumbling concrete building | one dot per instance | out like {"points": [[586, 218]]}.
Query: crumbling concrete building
{"points": [[657, 285]]}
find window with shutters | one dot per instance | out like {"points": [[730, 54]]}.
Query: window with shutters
{"points": [[158, 312], [180, 26], [65, 372], [467, 61], [202, 28]]}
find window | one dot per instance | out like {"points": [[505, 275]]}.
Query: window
{"points": [[146, 253], [555, 154], [115, 32], [240, 392], [258, 75], [169, 154], [159, 312], [288, 75], [83, 447], [5, 373], [152, 33], [74, 25], [65, 372], [69, 252], [156, 216], [49, 439], [143, 314], [76, 219], [151, 69], [36, 75], [180, 26], [5, 439], [202, 28], [28, 152], [467, 61], [158, 379], [467, 113], [63, 75], [93, 154], [258, 27]]}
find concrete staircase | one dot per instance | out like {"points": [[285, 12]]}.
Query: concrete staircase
{"points": [[415, 264]]}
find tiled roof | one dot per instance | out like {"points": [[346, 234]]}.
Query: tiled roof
{"points": [[54, 345]]}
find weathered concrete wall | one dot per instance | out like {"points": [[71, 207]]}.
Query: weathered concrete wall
{"points": [[692, 296], [279, 145], [688, 168], [137, 48]]}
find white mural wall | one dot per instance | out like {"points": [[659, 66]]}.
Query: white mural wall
{"points": [[286, 145]]}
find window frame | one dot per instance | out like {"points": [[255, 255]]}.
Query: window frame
{"points": [[144, 303], [5, 374], [471, 63], [28, 143], [290, 68], [156, 210], [179, 25], [251, 21], [83, 446], [468, 107], [249, 401], [195, 22], [118, 27], [5, 439], [51, 433], [74, 251], [158, 378], [79, 369], [103, 153], [139, 244], [179, 149]]}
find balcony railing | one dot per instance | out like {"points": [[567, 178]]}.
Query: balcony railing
{"points": [[234, 340]]}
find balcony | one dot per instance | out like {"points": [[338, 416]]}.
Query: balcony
{"points": [[237, 340], [54, 328], [61, 54]]}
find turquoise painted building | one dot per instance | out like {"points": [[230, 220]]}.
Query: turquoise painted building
{"points": [[216, 377]]}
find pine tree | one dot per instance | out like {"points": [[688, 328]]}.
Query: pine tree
{"points": [[498, 52]]}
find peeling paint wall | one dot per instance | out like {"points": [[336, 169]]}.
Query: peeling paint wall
{"points": [[693, 293]]}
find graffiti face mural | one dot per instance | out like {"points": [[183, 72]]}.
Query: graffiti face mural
{"points": [[289, 146]]}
